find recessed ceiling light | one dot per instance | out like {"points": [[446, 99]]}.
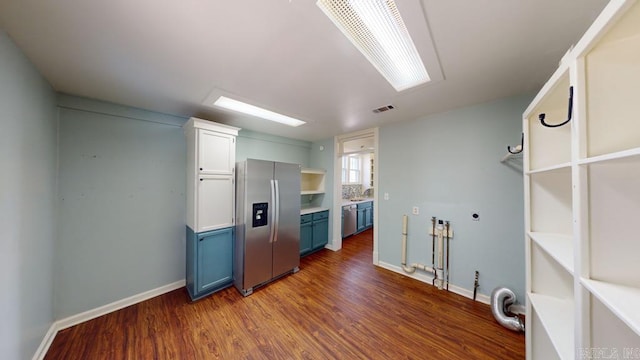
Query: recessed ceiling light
{"points": [[245, 108], [378, 31]]}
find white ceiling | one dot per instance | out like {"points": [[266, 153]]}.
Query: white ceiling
{"points": [[285, 55]]}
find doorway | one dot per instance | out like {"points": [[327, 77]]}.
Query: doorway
{"points": [[355, 179]]}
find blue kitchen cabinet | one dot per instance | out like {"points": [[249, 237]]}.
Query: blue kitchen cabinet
{"points": [[320, 230], [209, 261], [368, 216], [306, 234], [314, 232], [365, 216]]}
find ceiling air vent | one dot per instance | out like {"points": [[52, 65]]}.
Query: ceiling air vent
{"points": [[383, 109]]}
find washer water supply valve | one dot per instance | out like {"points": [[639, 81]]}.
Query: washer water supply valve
{"points": [[440, 233]]}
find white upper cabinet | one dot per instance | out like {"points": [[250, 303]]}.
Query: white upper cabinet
{"points": [[211, 156], [215, 202], [216, 152]]}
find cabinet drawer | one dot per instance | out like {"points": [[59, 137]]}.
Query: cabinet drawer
{"points": [[305, 218], [320, 215]]}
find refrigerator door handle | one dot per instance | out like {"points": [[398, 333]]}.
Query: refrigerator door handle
{"points": [[276, 211]]}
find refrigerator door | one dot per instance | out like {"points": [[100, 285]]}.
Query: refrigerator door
{"points": [[258, 243], [286, 245]]}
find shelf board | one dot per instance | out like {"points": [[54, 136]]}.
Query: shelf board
{"points": [[559, 246], [311, 192], [612, 156], [556, 316], [621, 300], [312, 171], [565, 165]]}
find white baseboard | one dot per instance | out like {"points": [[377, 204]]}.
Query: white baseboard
{"points": [[46, 342], [485, 299], [428, 279], [99, 311], [332, 247]]}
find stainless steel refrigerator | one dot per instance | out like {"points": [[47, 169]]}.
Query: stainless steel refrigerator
{"points": [[267, 243]]}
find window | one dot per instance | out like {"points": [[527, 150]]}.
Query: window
{"points": [[351, 169]]}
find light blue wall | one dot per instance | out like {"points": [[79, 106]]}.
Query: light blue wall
{"points": [[449, 166], [121, 204], [122, 199], [255, 145], [27, 201]]}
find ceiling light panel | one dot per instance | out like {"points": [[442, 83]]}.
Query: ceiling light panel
{"points": [[239, 106], [376, 28]]}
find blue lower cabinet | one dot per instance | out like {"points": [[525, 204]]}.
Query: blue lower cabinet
{"points": [[306, 235], [209, 261], [360, 227], [314, 232], [320, 230], [365, 216], [368, 217]]}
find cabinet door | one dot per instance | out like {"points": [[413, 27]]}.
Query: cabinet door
{"points": [[361, 219], [305, 237], [368, 217], [320, 233], [216, 152], [215, 202], [214, 260]]}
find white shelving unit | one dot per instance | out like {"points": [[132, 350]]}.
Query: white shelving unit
{"points": [[582, 191], [312, 181]]}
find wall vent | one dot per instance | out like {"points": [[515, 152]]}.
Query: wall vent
{"points": [[383, 109]]}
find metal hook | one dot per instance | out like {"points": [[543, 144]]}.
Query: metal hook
{"points": [[542, 116], [516, 151]]}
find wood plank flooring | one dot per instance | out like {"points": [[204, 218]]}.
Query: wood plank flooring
{"points": [[339, 306]]}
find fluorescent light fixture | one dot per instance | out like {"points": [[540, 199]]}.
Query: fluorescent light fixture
{"points": [[245, 108], [376, 28]]}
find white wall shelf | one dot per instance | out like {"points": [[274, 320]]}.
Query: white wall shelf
{"points": [[551, 147], [582, 195], [550, 202], [312, 181], [556, 316], [622, 300], [566, 165], [560, 247], [611, 157], [549, 277]]}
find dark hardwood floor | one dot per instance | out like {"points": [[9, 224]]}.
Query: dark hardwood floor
{"points": [[339, 306]]}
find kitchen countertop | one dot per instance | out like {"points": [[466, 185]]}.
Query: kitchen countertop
{"points": [[346, 202], [311, 210]]}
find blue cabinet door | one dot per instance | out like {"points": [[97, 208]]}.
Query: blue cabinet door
{"points": [[361, 219], [215, 257], [314, 232], [209, 261], [305, 237], [368, 217], [320, 233]]}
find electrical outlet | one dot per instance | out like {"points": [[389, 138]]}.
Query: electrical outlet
{"points": [[386, 196], [416, 210]]}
